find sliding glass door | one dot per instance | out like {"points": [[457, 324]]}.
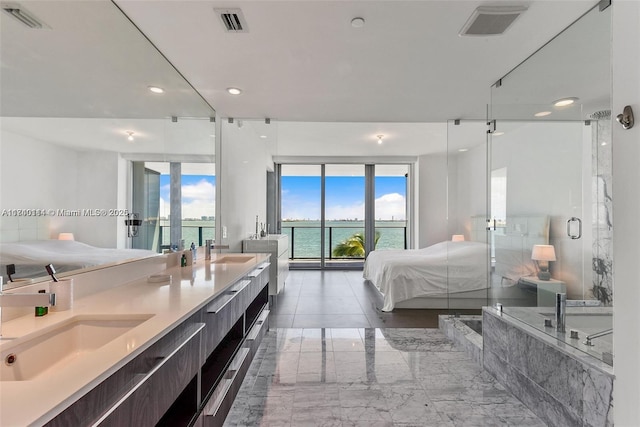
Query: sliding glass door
{"points": [[335, 214]]}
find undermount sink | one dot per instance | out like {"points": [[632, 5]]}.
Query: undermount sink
{"points": [[62, 344], [237, 259]]}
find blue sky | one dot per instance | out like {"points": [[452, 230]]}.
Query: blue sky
{"points": [[345, 197]]}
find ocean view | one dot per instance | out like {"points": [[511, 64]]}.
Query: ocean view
{"points": [[306, 243], [306, 234]]}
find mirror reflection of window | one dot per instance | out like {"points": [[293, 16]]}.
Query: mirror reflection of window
{"points": [[197, 202]]}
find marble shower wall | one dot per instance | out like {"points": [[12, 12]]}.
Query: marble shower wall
{"points": [[602, 280]]}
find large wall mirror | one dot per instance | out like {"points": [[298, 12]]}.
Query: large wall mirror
{"points": [[87, 144]]}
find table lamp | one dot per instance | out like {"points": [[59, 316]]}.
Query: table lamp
{"points": [[542, 254]]}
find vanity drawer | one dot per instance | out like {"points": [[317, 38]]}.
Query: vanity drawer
{"points": [[222, 313], [153, 392], [222, 398]]}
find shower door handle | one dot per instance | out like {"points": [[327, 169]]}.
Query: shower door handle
{"points": [[569, 233]]}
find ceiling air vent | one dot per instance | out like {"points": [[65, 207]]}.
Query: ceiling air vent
{"points": [[26, 18], [491, 20], [233, 20]]}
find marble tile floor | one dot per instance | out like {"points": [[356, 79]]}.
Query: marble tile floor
{"points": [[370, 377], [333, 299]]}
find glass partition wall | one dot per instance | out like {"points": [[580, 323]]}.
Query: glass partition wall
{"points": [[549, 179], [467, 251]]}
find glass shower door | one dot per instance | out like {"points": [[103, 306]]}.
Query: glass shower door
{"points": [[539, 170]]}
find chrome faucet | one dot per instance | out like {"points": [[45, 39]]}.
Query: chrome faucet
{"points": [[596, 335], [561, 312], [24, 300]]}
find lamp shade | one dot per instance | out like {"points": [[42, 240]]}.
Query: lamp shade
{"points": [[543, 253], [457, 238], [66, 236]]}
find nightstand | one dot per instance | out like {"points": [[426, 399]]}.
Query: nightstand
{"points": [[546, 289]]}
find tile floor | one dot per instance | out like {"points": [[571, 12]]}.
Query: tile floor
{"points": [[332, 358], [370, 377], [334, 299]]}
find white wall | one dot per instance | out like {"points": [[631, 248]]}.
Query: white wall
{"points": [[242, 183], [432, 199], [97, 177], [42, 175], [38, 175], [626, 210], [467, 189]]}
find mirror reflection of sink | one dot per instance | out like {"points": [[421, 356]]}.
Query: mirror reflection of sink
{"points": [[62, 344], [237, 259]]}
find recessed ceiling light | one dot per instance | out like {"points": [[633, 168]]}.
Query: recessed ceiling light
{"points": [[130, 137], [156, 89], [542, 113], [462, 150], [263, 136], [497, 133], [565, 101], [379, 138], [603, 143], [234, 90]]}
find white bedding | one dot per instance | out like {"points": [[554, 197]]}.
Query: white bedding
{"points": [[30, 257], [446, 267]]}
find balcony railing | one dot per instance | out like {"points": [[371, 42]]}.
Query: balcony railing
{"points": [[188, 236], [312, 240]]}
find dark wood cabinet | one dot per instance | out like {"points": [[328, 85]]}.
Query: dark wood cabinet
{"points": [[189, 377]]}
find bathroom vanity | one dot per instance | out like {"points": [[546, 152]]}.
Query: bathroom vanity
{"points": [[145, 352], [278, 246]]}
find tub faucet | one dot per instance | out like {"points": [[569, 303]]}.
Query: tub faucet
{"points": [[25, 300], [596, 335], [561, 311]]}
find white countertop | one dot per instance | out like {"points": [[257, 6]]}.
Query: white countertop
{"points": [[36, 401]]}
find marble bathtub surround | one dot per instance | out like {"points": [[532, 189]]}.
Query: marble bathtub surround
{"points": [[466, 338], [600, 319], [370, 377], [563, 386]]}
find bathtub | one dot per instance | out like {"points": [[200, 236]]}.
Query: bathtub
{"points": [[559, 378]]}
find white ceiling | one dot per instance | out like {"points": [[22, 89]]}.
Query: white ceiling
{"points": [[303, 61], [329, 88]]}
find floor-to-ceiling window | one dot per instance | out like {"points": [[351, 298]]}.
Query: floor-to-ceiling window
{"points": [[335, 214]]}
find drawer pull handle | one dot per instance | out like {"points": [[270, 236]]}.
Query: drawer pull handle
{"points": [[162, 361], [219, 305]]}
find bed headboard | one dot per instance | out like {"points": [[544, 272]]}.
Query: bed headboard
{"points": [[514, 243], [20, 228]]}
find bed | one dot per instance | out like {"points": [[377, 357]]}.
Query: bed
{"points": [[455, 274], [30, 257], [434, 271]]}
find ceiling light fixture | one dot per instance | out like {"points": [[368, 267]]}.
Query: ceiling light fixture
{"points": [[263, 136], [462, 150], [130, 137], [379, 139], [156, 89], [565, 101], [357, 22], [234, 90], [26, 18], [542, 113]]}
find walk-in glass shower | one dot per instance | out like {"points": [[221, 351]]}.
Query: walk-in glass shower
{"points": [[549, 187]]}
